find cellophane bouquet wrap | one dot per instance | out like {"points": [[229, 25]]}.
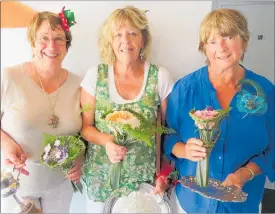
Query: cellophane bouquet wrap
{"points": [[62, 151], [208, 122]]}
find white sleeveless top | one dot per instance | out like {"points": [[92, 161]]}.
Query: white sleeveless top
{"points": [[25, 111], [165, 83]]}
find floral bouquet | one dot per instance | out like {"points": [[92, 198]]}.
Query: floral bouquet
{"points": [[208, 123], [61, 151], [129, 127]]}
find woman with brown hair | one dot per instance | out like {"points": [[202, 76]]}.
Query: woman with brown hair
{"points": [[243, 155], [39, 97]]}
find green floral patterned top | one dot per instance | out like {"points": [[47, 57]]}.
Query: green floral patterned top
{"points": [[139, 164]]}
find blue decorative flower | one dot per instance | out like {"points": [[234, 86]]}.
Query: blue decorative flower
{"points": [[251, 104]]}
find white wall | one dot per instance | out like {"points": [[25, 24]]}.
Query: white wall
{"points": [[174, 25], [260, 15]]}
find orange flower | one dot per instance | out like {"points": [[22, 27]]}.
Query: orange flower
{"points": [[123, 117]]}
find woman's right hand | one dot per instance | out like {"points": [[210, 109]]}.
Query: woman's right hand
{"points": [[15, 156], [194, 150], [115, 152]]}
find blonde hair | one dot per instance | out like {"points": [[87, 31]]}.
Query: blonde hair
{"points": [[227, 22], [53, 19], [116, 19]]}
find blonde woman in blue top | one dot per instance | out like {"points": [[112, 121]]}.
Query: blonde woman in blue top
{"points": [[244, 153]]}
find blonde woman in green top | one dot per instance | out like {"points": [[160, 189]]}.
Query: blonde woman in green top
{"points": [[125, 79]]}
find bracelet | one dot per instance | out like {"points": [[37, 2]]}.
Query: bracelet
{"points": [[251, 172]]}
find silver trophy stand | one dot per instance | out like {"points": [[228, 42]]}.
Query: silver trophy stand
{"points": [[9, 187]]}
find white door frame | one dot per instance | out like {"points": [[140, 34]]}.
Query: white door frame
{"points": [[220, 3]]}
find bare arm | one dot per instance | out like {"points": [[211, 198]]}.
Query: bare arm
{"points": [[179, 150], [246, 174], [89, 132], [5, 140], [13, 153], [242, 175], [163, 108]]}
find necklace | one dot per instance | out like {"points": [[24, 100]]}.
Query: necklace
{"points": [[53, 120]]}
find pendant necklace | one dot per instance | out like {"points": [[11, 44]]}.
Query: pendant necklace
{"points": [[53, 120]]}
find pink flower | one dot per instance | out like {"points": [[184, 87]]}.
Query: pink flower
{"points": [[206, 114]]}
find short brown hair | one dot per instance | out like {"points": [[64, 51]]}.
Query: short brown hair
{"points": [[53, 19], [227, 22], [117, 18]]}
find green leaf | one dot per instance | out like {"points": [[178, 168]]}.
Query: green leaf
{"points": [[115, 171], [49, 139], [75, 147], [73, 186], [202, 172]]}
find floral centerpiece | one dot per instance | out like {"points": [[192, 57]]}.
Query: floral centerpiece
{"points": [[208, 123], [129, 127], [62, 151]]}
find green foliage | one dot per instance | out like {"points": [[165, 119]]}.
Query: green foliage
{"points": [[115, 173], [75, 147], [144, 132]]}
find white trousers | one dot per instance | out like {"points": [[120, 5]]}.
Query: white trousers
{"points": [[56, 200]]}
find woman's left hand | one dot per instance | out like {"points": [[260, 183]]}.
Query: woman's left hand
{"points": [[74, 173], [242, 175], [234, 179]]}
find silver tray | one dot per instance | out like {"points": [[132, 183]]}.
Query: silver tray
{"points": [[215, 190], [125, 204]]}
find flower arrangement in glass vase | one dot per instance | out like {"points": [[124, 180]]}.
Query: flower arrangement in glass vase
{"points": [[208, 123], [62, 151], [129, 127]]}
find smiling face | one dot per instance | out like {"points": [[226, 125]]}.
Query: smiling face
{"points": [[50, 45], [224, 52], [127, 43]]}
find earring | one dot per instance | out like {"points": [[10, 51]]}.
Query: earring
{"points": [[141, 54]]}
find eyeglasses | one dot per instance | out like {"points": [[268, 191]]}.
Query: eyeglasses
{"points": [[44, 40]]}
